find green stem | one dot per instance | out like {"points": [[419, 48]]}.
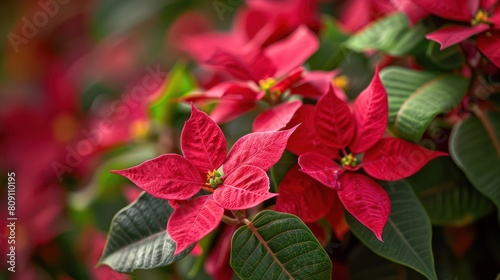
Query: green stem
{"points": [[230, 221]]}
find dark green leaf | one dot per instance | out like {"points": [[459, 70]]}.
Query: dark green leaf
{"points": [[474, 150], [447, 195], [407, 234], [447, 59], [278, 246], [391, 34], [417, 97], [138, 238]]}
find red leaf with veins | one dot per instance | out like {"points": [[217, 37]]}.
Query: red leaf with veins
{"points": [[321, 168], [168, 176], [489, 46], [243, 188], [305, 139], [292, 51], [193, 220], [366, 200], [260, 149], [450, 9], [276, 118], [451, 35], [303, 196], [394, 159], [371, 114], [334, 122], [203, 142]]}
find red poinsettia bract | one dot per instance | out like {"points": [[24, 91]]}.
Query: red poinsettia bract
{"points": [[359, 138], [266, 74], [234, 181], [482, 17]]}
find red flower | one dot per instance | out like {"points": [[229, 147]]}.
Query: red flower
{"points": [[236, 181], [265, 75], [359, 136], [480, 16]]}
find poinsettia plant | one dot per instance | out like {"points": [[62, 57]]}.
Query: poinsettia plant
{"points": [[317, 148]]}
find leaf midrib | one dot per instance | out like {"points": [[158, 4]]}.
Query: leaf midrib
{"points": [[264, 243], [416, 93], [405, 241]]}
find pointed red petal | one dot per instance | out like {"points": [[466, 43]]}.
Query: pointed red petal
{"points": [[203, 142], [394, 159], [451, 35], [193, 220], [243, 188], [260, 149], [334, 122], [291, 52], [489, 46], [371, 114], [276, 118], [167, 177], [305, 139], [366, 200], [321, 168], [303, 196], [449, 9]]}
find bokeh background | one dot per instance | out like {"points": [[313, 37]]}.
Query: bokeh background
{"points": [[66, 68]]}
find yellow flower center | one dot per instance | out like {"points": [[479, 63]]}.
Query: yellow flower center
{"points": [[349, 160], [214, 179], [341, 82], [480, 17], [267, 84], [139, 129]]}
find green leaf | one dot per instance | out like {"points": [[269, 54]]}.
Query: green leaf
{"points": [[447, 195], [417, 97], [179, 83], [391, 34], [138, 238], [474, 150], [278, 246], [407, 234], [447, 59], [330, 53]]}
